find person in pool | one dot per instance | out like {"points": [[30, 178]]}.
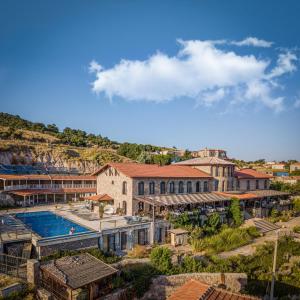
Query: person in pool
{"points": [[72, 230]]}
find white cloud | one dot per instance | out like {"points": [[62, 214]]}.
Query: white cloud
{"points": [[253, 41], [285, 64], [94, 67], [297, 103], [200, 71]]}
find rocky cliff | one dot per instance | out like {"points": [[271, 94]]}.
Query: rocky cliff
{"points": [[56, 158]]}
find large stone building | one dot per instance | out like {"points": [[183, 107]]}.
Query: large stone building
{"points": [[221, 170], [125, 182]]}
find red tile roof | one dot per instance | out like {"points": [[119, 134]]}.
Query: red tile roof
{"points": [[100, 197], [28, 192], [135, 170], [250, 173], [196, 290]]}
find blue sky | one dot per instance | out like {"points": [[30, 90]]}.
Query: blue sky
{"points": [[172, 73]]}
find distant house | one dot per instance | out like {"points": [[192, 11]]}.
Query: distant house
{"points": [[219, 153], [278, 166], [295, 167]]}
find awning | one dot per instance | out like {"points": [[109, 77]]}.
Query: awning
{"points": [[168, 200]]}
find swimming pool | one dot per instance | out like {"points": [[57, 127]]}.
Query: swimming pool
{"points": [[48, 224]]}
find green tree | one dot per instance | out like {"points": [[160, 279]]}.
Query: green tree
{"points": [[213, 223], [160, 257], [235, 212]]}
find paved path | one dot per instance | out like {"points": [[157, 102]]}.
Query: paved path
{"points": [[270, 236]]}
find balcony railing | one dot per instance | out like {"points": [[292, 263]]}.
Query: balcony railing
{"points": [[48, 186]]}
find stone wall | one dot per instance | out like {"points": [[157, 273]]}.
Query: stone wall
{"points": [[45, 250], [162, 286], [111, 182]]}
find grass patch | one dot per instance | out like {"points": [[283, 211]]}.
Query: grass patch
{"points": [[226, 240]]}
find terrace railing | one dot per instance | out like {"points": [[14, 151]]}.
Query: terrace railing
{"points": [[48, 186], [13, 266]]}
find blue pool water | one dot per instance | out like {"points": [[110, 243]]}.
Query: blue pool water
{"points": [[48, 224]]}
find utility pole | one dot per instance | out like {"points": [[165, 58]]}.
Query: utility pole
{"points": [[274, 267]]}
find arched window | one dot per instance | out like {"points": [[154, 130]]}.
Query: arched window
{"points": [[189, 187], [181, 187], [141, 188], [152, 187], [205, 186], [248, 185], [216, 185], [171, 187], [162, 187], [124, 188], [265, 184], [198, 187], [124, 206]]}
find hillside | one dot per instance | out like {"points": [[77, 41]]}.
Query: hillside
{"points": [[26, 143]]}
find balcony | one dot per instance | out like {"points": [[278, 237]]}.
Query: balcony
{"points": [[49, 187]]}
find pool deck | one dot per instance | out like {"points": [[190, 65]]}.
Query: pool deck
{"points": [[65, 210]]}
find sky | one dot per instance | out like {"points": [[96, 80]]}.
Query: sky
{"points": [[190, 74]]}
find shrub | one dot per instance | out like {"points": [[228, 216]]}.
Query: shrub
{"points": [[212, 224], [138, 251], [228, 239], [140, 276], [235, 212], [296, 204], [296, 229], [161, 259]]}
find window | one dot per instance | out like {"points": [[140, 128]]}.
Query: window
{"points": [[181, 187], [238, 184], [216, 185], [224, 168], [223, 186], [141, 188], [205, 186], [171, 187], [152, 188], [265, 184], [189, 187], [217, 171], [124, 188], [248, 185], [257, 184], [198, 187], [141, 205], [162, 187]]}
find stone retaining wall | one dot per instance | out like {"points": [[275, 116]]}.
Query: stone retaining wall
{"points": [[163, 286], [68, 245]]}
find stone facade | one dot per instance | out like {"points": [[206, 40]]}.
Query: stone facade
{"points": [[252, 184], [223, 176], [111, 182]]}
